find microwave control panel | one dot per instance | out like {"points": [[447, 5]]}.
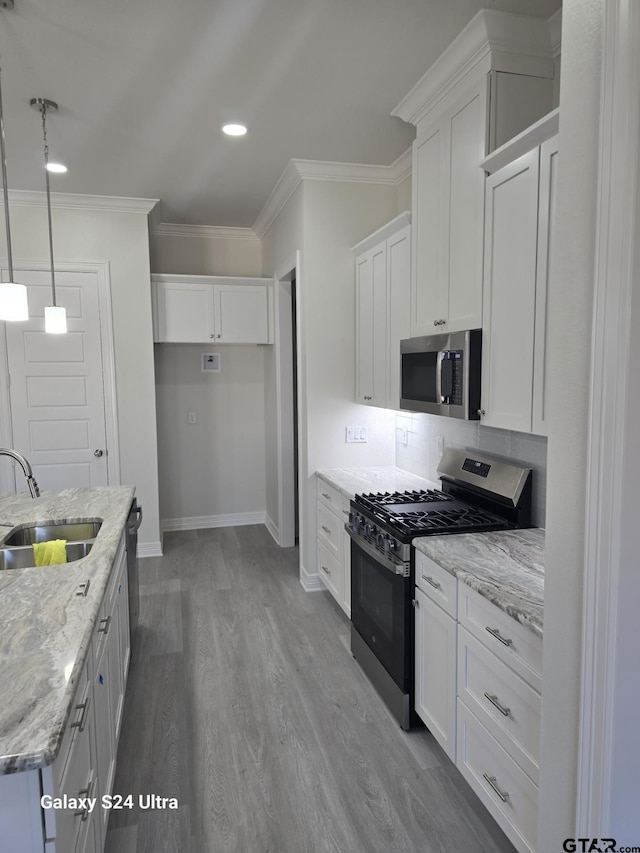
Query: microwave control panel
{"points": [[452, 377]]}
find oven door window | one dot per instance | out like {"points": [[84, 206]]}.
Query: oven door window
{"points": [[381, 613], [419, 376]]}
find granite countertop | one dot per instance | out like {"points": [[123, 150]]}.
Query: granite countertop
{"points": [[45, 628], [506, 567], [381, 478]]}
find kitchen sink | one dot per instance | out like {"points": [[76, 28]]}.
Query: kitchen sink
{"points": [[21, 556], [78, 531]]}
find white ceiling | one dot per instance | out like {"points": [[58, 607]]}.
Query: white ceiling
{"points": [[144, 86]]}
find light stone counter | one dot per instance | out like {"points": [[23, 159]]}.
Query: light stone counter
{"points": [[387, 478], [506, 567], [45, 628]]}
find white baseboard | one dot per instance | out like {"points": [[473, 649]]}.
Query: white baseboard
{"points": [[310, 583], [272, 527], [200, 522], [149, 549]]}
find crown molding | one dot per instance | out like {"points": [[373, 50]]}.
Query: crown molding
{"points": [[175, 229], [297, 171], [503, 41], [75, 201], [285, 187]]}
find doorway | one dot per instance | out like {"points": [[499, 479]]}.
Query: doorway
{"points": [[59, 400], [287, 330]]}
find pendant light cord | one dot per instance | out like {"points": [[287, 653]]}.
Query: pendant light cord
{"points": [[5, 188], [46, 174]]}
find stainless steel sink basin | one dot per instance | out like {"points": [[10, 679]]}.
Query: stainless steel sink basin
{"points": [[73, 532], [21, 556]]}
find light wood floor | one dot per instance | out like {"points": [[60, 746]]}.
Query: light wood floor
{"points": [[245, 704]]}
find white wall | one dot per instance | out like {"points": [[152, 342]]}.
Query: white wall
{"points": [[122, 240], [195, 255], [420, 454], [212, 470], [568, 378]]}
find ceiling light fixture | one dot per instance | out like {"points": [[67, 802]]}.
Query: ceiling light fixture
{"points": [[234, 129], [13, 297], [55, 316]]}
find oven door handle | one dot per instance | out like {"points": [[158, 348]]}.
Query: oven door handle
{"points": [[396, 566]]}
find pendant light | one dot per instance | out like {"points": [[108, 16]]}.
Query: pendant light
{"points": [[13, 297], [55, 316]]}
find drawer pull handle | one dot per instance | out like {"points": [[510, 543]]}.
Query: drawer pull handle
{"points": [[83, 588], [326, 530], [325, 570], [494, 701], [345, 512], [433, 583], [325, 495], [104, 625], [495, 632], [86, 793], [79, 724], [504, 795]]}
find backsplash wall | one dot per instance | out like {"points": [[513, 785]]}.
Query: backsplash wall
{"points": [[421, 456]]}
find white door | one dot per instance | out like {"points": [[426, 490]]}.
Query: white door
{"points": [[57, 385]]}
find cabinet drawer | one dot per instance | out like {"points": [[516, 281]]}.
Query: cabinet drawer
{"points": [[76, 724], [331, 530], [513, 643], [437, 584], [330, 570], [501, 700], [105, 615], [507, 792], [333, 498]]}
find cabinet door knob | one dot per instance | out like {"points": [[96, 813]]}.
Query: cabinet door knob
{"points": [[212, 336], [98, 453], [218, 336]]}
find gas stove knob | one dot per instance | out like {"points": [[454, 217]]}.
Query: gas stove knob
{"points": [[381, 540], [390, 545]]}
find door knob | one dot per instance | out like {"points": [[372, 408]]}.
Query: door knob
{"points": [[98, 453]]}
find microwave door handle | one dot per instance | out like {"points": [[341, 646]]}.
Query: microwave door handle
{"points": [[439, 377]]}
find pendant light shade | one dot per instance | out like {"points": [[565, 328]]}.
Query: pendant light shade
{"points": [[55, 319], [55, 316], [13, 297]]}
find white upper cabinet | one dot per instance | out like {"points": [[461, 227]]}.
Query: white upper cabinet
{"points": [[205, 309], [493, 81], [519, 224], [382, 311], [448, 192]]}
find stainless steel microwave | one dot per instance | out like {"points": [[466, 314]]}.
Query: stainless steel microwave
{"points": [[440, 374]]}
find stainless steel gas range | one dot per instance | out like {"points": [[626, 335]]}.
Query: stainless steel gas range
{"points": [[478, 494]]}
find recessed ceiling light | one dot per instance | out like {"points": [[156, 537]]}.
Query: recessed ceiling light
{"points": [[56, 167], [234, 129]]}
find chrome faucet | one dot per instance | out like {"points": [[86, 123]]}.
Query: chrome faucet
{"points": [[28, 473]]}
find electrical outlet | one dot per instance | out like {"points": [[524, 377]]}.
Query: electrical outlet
{"points": [[191, 417], [402, 436], [440, 444]]}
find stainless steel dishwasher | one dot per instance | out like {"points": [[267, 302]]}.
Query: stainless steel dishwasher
{"points": [[133, 523]]}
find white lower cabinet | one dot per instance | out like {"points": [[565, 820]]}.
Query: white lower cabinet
{"points": [[435, 675], [85, 765], [333, 545], [478, 681], [499, 702]]}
